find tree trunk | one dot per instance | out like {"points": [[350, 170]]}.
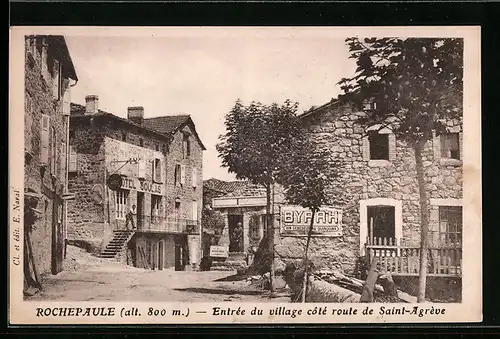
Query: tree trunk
{"points": [[270, 235], [306, 259], [424, 217]]}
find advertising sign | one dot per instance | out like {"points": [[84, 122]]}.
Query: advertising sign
{"points": [[295, 221], [219, 251]]}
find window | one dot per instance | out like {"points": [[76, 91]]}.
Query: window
{"points": [[72, 166], [450, 145], [121, 203], [141, 169], [155, 207], [45, 140], [186, 146], [194, 177], [157, 147], [157, 174], [141, 142], [53, 151], [180, 175], [450, 225], [124, 136], [379, 146]]}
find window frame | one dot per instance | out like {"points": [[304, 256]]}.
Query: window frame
{"points": [[376, 135]]}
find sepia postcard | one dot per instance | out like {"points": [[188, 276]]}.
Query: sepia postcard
{"points": [[245, 175]]}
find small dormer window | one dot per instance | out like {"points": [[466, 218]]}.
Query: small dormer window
{"points": [[369, 105]]}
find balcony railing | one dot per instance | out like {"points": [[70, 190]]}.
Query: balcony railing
{"points": [[168, 225], [442, 260]]}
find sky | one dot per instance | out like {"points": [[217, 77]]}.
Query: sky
{"points": [[202, 72]]}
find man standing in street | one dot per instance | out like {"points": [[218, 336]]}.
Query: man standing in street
{"points": [[130, 218]]}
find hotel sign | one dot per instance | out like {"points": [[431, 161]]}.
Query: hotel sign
{"points": [[142, 185], [296, 220]]}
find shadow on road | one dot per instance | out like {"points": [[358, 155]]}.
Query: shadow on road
{"points": [[217, 291], [234, 277]]}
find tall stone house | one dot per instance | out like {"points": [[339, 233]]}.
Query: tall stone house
{"points": [[377, 194], [159, 165], [49, 76]]}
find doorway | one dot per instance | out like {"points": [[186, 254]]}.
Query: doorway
{"points": [[235, 223], [383, 226], [160, 255], [140, 210], [57, 237], [180, 253]]}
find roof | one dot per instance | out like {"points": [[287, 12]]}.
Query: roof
{"points": [[58, 46], [320, 108], [165, 126], [170, 124], [235, 188]]}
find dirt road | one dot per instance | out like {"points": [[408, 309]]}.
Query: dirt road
{"points": [[109, 281]]}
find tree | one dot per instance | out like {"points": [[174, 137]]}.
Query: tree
{"points": [[253, 147], [305, 175], [416, 85]]}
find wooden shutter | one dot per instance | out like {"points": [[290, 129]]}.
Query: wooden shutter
{"points": [[366, 148], [436, 145], [461, 144], [55, 79], [53, 153], [72, 166], [157, 171], [392, 147], [62, 163], [183, 174], [44, 139], [66, 102], [194, 177], [195, 210], [141, 169]]}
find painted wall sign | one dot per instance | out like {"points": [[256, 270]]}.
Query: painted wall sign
{"points": [[141, 185], [219, 251], [295, 221]]}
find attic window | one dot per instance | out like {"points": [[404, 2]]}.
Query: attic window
{"points": [[186, 146]]}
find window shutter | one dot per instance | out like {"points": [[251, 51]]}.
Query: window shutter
{"points": [[53, 155], [66, 103], [183, 174], [72, 166], [436, 145], [141, 169], [366, 148], [44, 140], [195, 210], [194, 177], [461, 144], [392, 147], [158, 175], [55, 79], [62, 162]]}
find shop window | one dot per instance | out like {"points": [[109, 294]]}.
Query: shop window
{"points": [[121, 203]]}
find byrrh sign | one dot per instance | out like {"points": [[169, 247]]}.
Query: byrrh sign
{"points": [[295, 221]]}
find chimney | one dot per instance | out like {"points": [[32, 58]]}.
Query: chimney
{"points": [[91, 104], [135, 114]]}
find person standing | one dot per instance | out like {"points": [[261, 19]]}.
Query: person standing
{"points": [[129, 218]]}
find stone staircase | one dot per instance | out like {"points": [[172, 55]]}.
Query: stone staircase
{"points": [[120, 239], [235, 261]]}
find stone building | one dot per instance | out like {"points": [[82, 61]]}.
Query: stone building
{"points": [[158, 163], [49, 76], [377, 195]]}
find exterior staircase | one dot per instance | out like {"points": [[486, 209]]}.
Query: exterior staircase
{"points": [[235, 261], [119, 241]]}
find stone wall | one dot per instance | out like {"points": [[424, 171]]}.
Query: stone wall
{"points": [[361, 179], [39, 99]]}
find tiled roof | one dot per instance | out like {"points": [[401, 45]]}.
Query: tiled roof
{"points": [[235, 188], [165, 124]]}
